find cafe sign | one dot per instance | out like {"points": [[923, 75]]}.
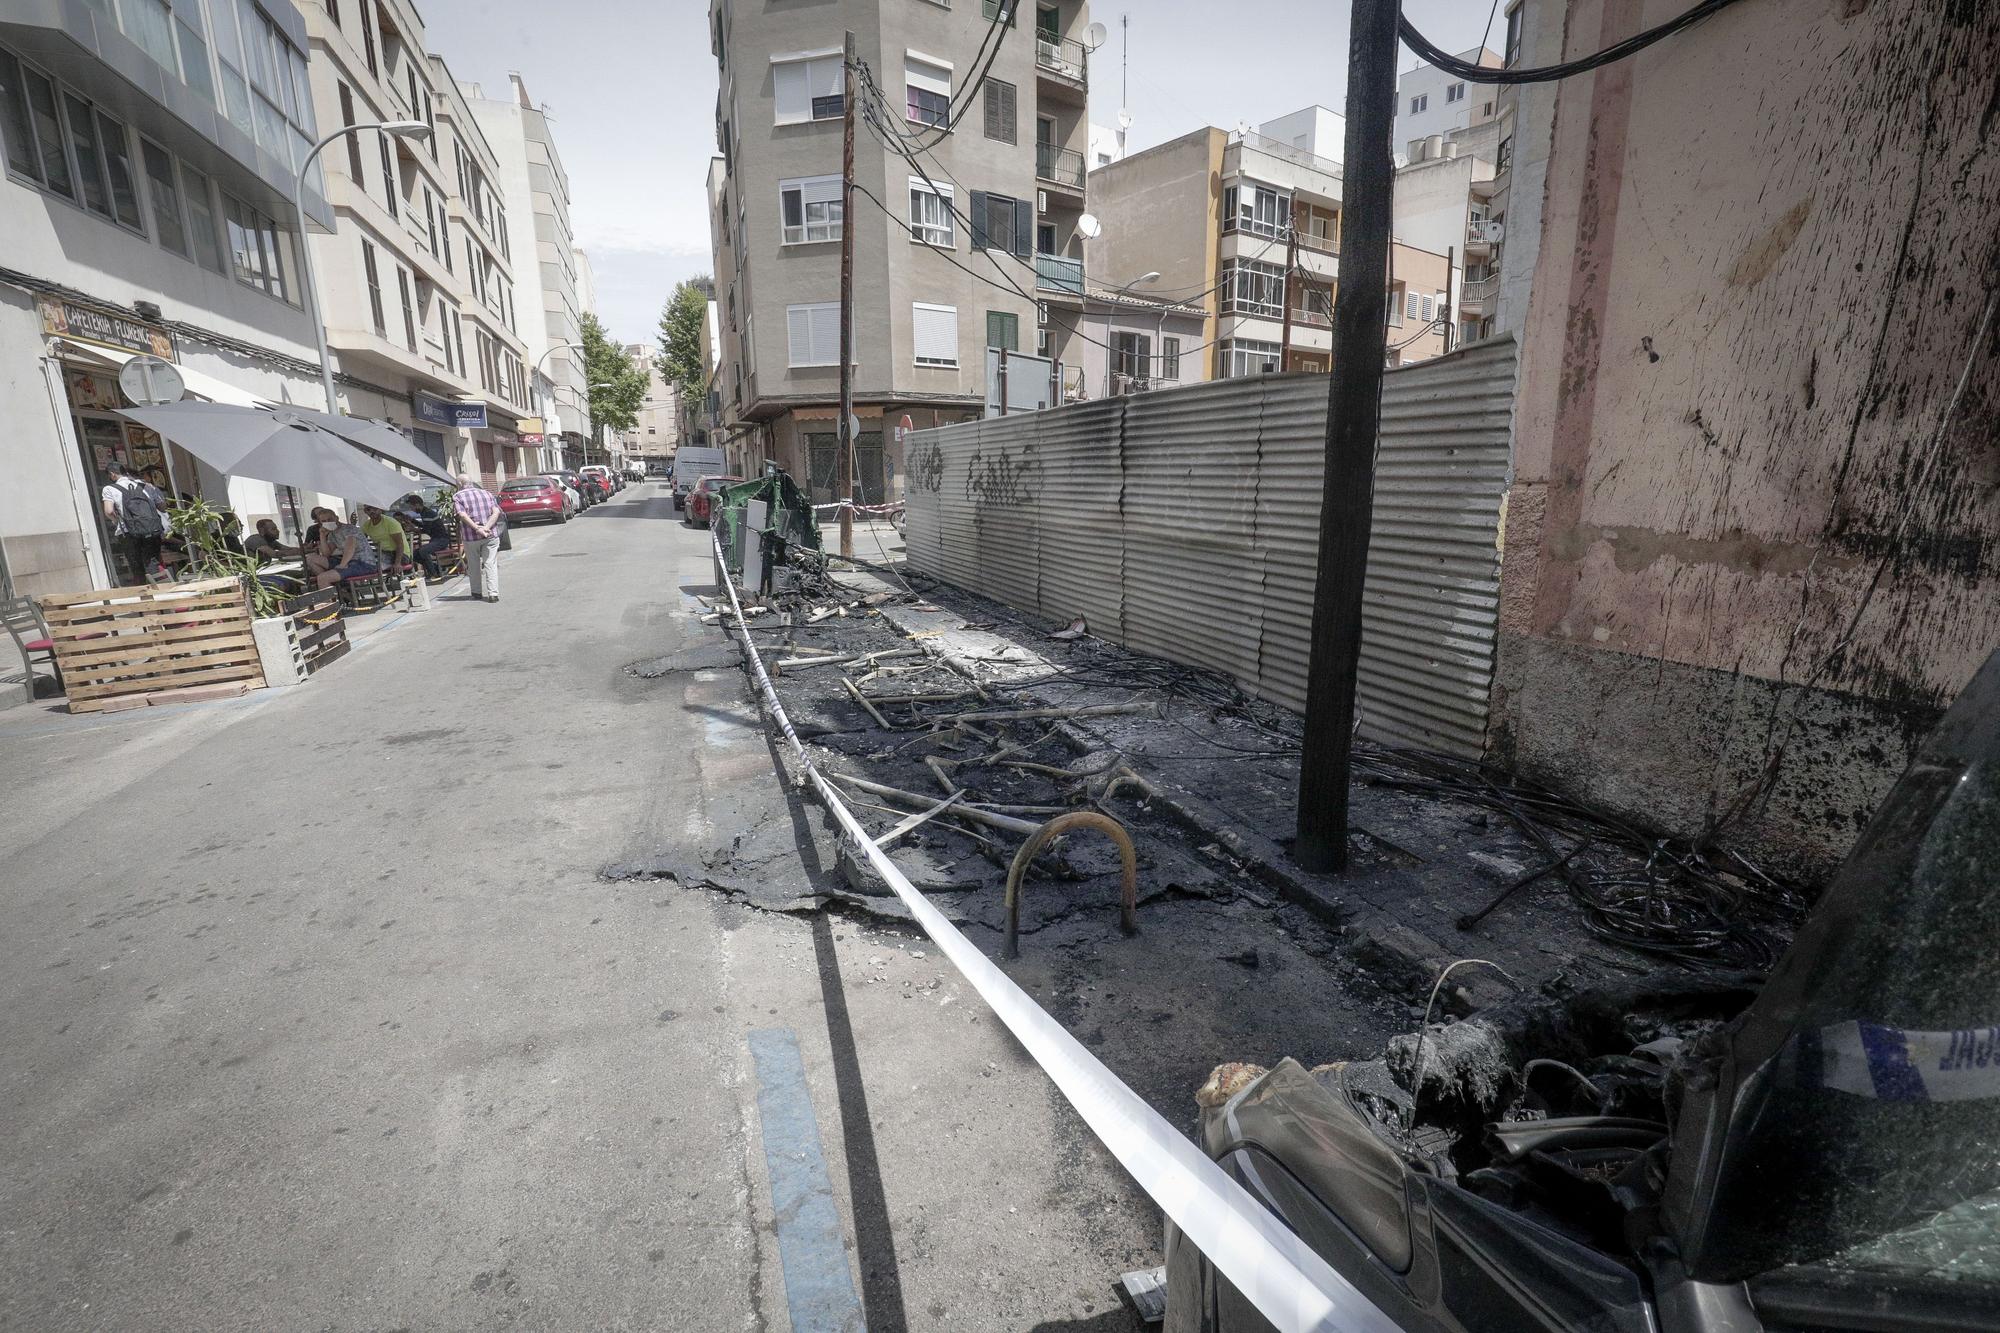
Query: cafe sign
{"points": [[443, 412], [85, 324]]}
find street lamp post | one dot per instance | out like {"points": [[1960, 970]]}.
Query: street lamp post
{"points": [[541, 361], [400, 129], [1124, 289]]}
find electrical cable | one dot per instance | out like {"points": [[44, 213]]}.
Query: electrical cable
{"points": [[1632, 45]]}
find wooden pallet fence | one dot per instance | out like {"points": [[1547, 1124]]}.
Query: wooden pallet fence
{"points": [[322, 633], [116, 646]]}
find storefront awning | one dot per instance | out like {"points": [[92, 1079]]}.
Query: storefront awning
{"points": [[198, 384]]}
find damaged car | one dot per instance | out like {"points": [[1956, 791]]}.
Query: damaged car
{"points": [[1693, 1154]]}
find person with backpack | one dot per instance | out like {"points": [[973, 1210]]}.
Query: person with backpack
{"points": [[137, 512]]}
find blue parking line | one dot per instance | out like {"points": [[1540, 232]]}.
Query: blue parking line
{"points": [[811, 1245]]}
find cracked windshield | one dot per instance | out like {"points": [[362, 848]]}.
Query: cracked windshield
{"points": [[1000, 665]]}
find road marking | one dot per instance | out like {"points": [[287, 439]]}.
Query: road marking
{"points": [[813, 1249]]}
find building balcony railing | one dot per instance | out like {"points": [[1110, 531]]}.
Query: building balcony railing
{"points": [[1122, 383], [1062, 165], [1059, 274], [1323, 244], [1237, 305], [1068, 60], [1478, 296], [1312, 315]]}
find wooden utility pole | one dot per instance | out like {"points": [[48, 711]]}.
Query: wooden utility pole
{"points": [[1285, 296], [1353, 417], [844, 469]]}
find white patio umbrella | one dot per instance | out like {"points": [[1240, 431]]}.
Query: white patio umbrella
{"points": [[277, 446], [379, 437]]}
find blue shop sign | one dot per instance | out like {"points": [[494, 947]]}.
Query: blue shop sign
{"points": [[441, 412]]}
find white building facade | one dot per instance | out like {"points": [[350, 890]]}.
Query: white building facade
{"points": [[146, 207], [417, 277], [1431, 102], [535, 190]]}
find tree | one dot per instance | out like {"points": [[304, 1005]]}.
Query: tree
{"points": [[617, 387], [680, 335]]}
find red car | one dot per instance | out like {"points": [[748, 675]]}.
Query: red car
{"points": [[701, 500], [534, 498]]}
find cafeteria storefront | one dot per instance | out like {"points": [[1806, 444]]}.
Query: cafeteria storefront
{"points": [[63, 474]]}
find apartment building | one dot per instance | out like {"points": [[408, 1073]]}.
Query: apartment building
{"points": [[417, 275], [969, 186], [534, 193], [1430, 101], [151, 156], [1245, 225], [654, 436]]}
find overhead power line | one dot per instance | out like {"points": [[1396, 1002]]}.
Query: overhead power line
{"points": [[1632, 45]]}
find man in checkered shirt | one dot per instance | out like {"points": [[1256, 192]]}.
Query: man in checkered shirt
{"points": [[479, 533]]}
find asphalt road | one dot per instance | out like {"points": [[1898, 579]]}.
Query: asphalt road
{"points": [[318, 1011]]}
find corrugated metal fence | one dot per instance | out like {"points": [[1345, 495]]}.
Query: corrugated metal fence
{"points": [[1185, 523]]}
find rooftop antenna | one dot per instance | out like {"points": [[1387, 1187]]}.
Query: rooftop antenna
{"points": [[1124, 91]]}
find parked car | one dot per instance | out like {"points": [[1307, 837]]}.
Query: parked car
{"points": [[569, 492], [535, 500], [612, 482], [700, 505], [1681, 1154], [691, 463], [598, 487], [585, 496]]}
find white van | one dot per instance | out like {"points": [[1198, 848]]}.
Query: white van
{"points": [[692, 462]]}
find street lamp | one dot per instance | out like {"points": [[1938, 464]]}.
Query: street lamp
{"points": [[1125, 289], [543, 360], [398, 129]]}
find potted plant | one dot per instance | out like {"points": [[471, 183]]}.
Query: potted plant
{"points": [[209, 534]]}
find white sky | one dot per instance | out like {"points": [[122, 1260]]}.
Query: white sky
{"points": [[630, 89]]}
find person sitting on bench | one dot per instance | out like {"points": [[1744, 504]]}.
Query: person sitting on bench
{"points": [[387, 536], [267, 544], [347, 554]]}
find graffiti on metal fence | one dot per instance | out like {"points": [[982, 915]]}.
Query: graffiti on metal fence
{"points": [[999, 479], [926, 468]]}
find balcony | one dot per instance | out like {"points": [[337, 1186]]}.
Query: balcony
{"points": [[1057, 274], [1480, 297], [1312, 314], [1481, 235], [1065, 64], [1059, 165], [1123, 384]]}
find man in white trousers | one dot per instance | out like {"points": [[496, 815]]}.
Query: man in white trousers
{"points": [[479, 532]]}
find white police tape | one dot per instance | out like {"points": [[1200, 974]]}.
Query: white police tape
{"points": [[1894, 1064], [1276, 1271], [860, 509]]}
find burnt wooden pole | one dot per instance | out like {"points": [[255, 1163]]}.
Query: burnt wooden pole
{"points": [[844, 469], [1353, 415]]}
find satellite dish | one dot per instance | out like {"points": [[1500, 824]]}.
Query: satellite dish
{"points": [[150, 381], [1124, 119], [1089, 226], [1095, 35]]}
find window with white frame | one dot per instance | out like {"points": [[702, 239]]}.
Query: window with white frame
{"points": [[1251, 288], [1454, 92], [808, 86], [1396, 305], [1245, 356], [934, 330], [1413, 306], [1429, 311], [1420, 104], [812, 333], [930, 213], [810, 207], [927, 87], [1132, 355], [1255, 208]]}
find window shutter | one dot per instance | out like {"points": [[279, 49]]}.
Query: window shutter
{"points": [[1001, 116], [790, 90], [826, 334], [931, 78], [935, 329], [979, 219], [1024, 228], [798, 334]]}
